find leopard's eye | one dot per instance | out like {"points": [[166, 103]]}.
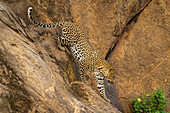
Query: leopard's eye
{"points": [[100, 68]]}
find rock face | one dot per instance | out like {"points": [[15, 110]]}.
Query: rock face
{"points": [[33, 79], [141, 57], [35, 76], [104, 20]]}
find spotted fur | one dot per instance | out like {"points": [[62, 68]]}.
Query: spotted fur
{"points": [[73, 40]]}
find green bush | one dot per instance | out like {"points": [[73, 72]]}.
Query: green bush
{"points": [[151, 103]]}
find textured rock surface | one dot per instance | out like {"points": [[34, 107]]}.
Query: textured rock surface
{"points": [[34, 79], [142, 55], [43, 73], [101, 20], [4, 102], [104, 20]]}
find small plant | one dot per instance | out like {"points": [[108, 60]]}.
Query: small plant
{"points": [[151, 103]]}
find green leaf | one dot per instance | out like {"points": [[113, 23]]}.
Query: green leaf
{"points": [[141, 110], [151, 103]]}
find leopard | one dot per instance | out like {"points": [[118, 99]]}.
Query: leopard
{"points": [[72, 39]]}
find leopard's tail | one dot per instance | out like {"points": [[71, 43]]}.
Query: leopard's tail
{"points": [[30, 9]]}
